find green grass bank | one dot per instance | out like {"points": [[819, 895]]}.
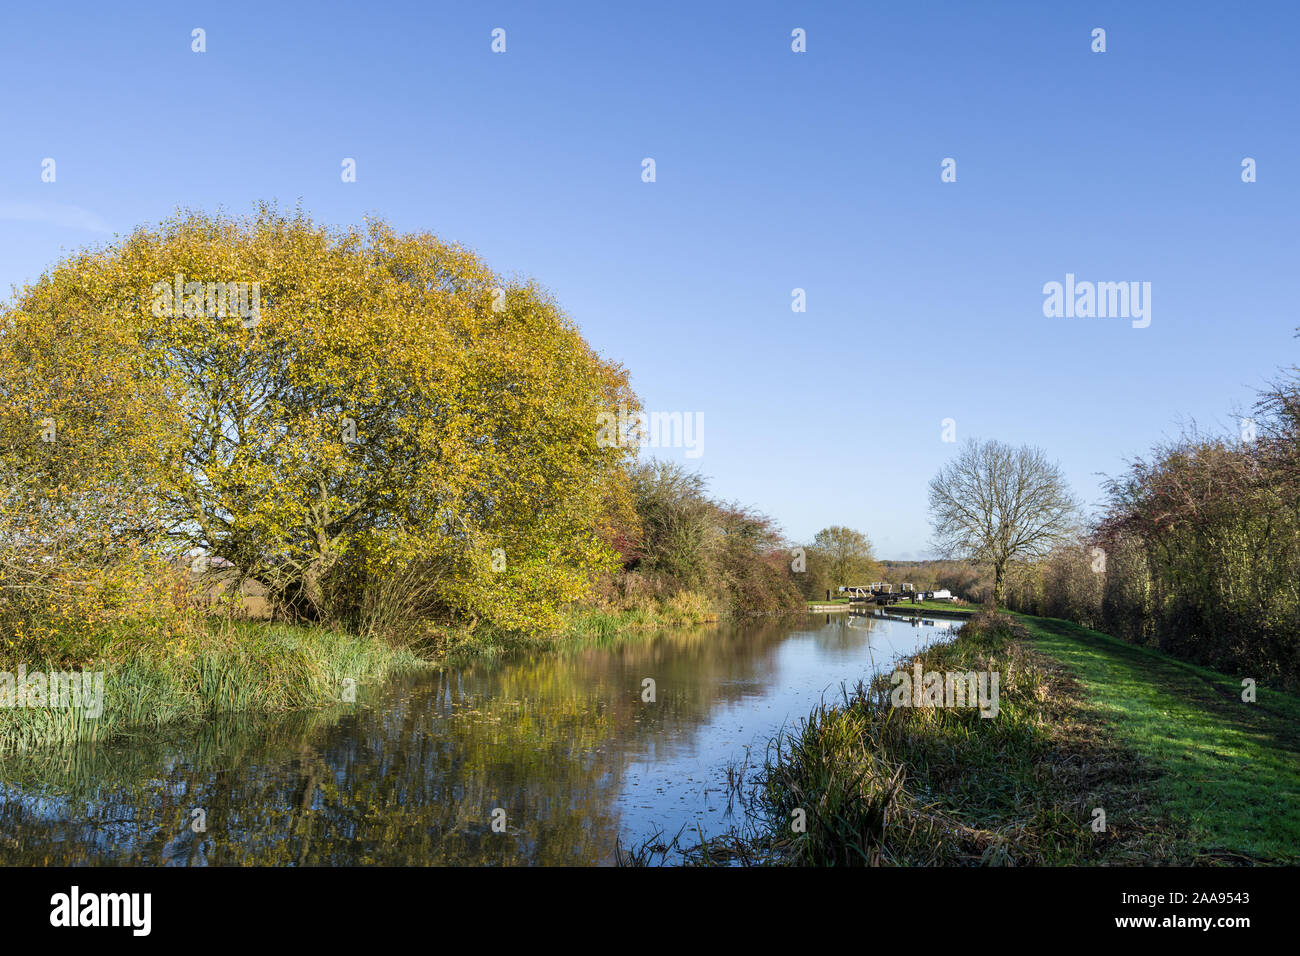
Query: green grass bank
{"points": [[1227, 771], [941, 607]]}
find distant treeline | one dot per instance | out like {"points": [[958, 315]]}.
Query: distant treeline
{"points": [[963, 578]]}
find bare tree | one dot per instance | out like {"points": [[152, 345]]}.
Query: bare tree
{"points": [[995, 504]]}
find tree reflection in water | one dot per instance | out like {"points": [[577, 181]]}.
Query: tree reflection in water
{"points": [[411, 773]]}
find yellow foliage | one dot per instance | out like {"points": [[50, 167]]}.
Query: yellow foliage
{"points": [[370, 404]]}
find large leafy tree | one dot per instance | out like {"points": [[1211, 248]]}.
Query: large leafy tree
{"points": [[373, 404], [83, 425]]}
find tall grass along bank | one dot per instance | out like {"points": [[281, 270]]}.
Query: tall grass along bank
{"points": [[224, 667], [1059, 776]]}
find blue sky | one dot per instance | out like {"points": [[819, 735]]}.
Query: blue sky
{"points": [[774, 170]]}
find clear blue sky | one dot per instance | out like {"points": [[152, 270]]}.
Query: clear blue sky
{"points": [[775, 170]]}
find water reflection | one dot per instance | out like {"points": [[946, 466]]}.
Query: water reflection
{"points": [[411, 774]]}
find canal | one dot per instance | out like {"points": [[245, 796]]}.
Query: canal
{"points": [[549, 758]]}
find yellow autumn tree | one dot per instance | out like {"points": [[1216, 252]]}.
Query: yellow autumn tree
{"points": [[83, 420], [339, 415]]}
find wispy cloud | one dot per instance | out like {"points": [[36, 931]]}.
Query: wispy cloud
{"points": [[54, 214]]}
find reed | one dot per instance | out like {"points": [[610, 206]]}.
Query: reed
{"points": [[223, 666], [878, 784]]}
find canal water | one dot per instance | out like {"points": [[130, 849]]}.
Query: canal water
{"points": [[559, 748]]}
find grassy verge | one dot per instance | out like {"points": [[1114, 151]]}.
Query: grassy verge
{"points": [[1183, 770], [1227, 771], [901, 785], [946, 607]]}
